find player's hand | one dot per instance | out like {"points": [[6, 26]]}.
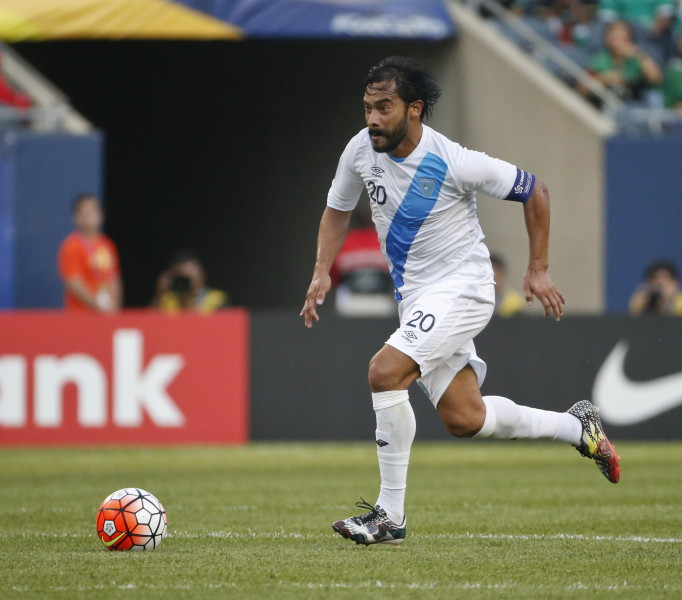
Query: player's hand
{"points": [[539, 284], [315, 297]]}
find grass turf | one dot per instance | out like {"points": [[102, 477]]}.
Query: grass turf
{"points": [[486, 520]]}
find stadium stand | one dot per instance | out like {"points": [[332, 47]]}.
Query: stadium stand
{"points": [[566, 57]]}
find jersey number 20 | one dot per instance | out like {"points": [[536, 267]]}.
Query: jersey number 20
{"points": [[425, 322], [377, 193]]}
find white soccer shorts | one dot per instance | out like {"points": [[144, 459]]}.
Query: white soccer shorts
{"points": [[437, 327]]}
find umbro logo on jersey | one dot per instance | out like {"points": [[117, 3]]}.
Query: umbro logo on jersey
{"points": [[377, 170], [381, 443]]}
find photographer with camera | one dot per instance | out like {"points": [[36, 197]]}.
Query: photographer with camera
{"points": [[183, 287], [660, 293]]}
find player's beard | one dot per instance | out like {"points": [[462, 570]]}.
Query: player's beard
{"points": [[390, 140]]}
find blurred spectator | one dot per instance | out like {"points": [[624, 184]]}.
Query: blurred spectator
{"points": [[360, 277], [183, 287], [508, 302], [672, 78], [653, 17], [624, 67], [571, 21], [88, 261], [580, 28], [660, 293]]}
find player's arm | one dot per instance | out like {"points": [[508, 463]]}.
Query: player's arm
{"points": [[332, 233], [536, 281], [477, 171]]}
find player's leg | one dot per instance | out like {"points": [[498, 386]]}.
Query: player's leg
{"points": [[433, 325], [461, 407], [467, 414], [390, 374]]}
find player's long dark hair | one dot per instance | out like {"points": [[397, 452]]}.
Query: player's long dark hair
{"points": [[412, 81]]}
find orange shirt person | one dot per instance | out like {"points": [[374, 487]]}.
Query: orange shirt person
{"points": [[88, 261]]}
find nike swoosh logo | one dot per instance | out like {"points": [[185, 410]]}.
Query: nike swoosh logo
{"points": [[622, 401], [112, 542]]}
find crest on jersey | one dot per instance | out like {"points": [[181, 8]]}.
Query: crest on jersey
{"points": [[427, 185]]}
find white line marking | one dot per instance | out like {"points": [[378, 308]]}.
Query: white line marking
{"points": [[439, 536], [559, 536], [281, 534], [543, 590]]}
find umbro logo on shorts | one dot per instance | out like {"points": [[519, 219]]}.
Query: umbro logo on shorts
{"points": [[377, 170], [409, 335], [381, 443]]}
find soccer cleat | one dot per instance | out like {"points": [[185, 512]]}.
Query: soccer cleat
{"points": [[372, 528], [593, 443]]}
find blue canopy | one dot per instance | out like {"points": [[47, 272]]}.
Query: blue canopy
{"points": [[382, 19]]}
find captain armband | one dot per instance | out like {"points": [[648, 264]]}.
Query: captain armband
{"points": [[523, 186]]}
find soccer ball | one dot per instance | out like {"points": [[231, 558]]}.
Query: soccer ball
{"points": [[131, 519]]}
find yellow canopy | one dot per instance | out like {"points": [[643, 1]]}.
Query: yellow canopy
{"points": [[32, 20]]}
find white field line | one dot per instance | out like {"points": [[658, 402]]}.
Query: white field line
{"points": [[557, 536], [281, 534], [355, 585], [121, 586]]}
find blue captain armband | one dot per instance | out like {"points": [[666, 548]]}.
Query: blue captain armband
{"points": [[523, 186]]}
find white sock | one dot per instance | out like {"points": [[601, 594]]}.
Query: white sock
{"points": [[394, 435], [507, 420]]}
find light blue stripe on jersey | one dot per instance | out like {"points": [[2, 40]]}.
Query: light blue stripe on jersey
{"points": [[412, 212]]}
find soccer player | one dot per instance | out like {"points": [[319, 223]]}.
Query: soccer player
{"points": [[422, 189]]}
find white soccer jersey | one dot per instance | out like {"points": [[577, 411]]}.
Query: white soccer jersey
{"points": [[424, 206]]}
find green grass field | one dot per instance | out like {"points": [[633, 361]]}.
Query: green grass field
{"points": [[486, 520]]}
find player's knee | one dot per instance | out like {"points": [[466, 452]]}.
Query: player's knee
{"points": [[461, 430], [463, 424], [383, 376]]}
